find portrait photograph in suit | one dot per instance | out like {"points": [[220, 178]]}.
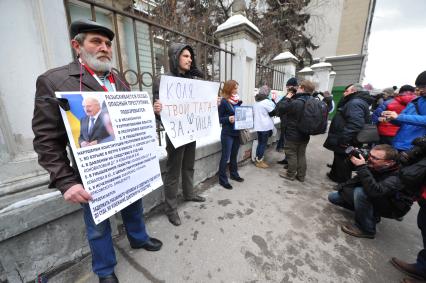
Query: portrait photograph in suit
{"points": [[89, 120]]}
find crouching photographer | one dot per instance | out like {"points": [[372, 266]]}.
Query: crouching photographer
{"points": [[374, 192], [413, 178]]}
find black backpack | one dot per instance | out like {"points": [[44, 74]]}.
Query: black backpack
{"points": [[314, 119]]}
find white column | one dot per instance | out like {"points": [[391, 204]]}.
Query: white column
{"points": [[331, 80], [242, 35], [285, 62], [322, 74], [306, 74]]}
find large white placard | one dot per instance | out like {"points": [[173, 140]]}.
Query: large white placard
{"points": [[116, 153], [189, 108], [243, 117]]}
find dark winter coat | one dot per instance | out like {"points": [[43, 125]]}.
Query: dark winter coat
{"points": [[283, 116], [293, 109], [225, 110], [351, 115], [383, 188], [413, 177]]}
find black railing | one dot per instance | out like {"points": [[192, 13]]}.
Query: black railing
{"points": [[269, 76], [141, 45]]}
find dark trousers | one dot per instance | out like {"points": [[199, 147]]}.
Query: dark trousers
{"points": [[281, 141], [230, 146], [295, 153], [179, 160], [100, 240], [341, 170], [421, 223]]}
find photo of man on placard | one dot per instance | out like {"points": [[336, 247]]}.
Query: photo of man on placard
{"points": [[89, 120], [93, 129]]}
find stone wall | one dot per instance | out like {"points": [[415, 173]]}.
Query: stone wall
{"points": [[43, 234]]}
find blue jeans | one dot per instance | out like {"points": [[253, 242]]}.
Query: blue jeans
{"points": [[362, 206], [100, 240], [262, 139], [230, 146]]}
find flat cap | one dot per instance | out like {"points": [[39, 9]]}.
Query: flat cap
{"points": [[80, 26]]}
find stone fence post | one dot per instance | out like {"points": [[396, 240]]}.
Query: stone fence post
{"points": [[243, 36], [322, 74], [285, 62]]}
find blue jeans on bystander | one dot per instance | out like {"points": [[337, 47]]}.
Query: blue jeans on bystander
{"points": [[362, 206], [230, 146], [100, 240], [262, 139]]}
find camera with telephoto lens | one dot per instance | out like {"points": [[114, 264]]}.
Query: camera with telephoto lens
{"points": [[316, 93], [357, 152], [414, 154]]}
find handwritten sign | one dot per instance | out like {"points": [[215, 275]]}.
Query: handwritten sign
{"points": [[189, 108], [243, 117], [113, 140]]}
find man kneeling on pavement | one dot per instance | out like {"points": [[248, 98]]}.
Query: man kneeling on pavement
{"points": [[374, 192]]}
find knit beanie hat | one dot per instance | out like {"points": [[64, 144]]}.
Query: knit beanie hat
{"points": [[292, 82], [405, 88], [421, 79], [263, 93], [388, 92]]}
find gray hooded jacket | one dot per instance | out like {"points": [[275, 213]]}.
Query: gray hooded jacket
{"points": [[175, 50]]}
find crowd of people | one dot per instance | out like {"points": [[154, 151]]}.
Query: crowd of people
{"points": [[380, 177], [389, 172]]}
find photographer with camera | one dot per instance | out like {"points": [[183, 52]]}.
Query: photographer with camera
{"points": [[374, 192], [413, 177]]}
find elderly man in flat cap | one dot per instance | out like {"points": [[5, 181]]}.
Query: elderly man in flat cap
{"points": [[91, 71]]}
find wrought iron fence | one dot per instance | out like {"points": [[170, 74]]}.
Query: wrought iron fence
{"points": [[269, 76], [141, 45]]}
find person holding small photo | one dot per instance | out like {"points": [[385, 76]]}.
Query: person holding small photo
{"points": [[229, 137]]}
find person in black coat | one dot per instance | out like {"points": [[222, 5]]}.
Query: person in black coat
{"points": [[375, 191], [180, 160], [291, 86], [296, 141], [351, 115], [413, 177], [229, 137]]}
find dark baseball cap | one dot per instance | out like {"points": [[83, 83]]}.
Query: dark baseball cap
{"points": [[81, 26]]}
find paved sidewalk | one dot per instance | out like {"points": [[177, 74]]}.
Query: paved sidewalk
{"points": [[266, 229]]}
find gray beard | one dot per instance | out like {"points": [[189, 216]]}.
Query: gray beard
{"points": [[95, 64]]}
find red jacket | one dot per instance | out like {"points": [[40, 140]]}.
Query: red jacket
{"points": [[397, 104]]}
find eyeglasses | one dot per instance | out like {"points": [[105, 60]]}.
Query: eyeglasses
{"points": [[375, 157], [419, 89]]}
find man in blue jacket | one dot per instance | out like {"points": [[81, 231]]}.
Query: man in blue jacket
{"points": [[412, 120]]}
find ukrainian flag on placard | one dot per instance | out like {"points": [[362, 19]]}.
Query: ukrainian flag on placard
{"points": [[75, 114]]}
